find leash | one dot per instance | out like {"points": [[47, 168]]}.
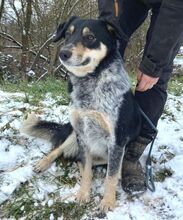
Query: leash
{"points": [[148, 174]]}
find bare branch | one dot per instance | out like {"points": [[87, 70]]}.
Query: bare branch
{"points": [[57, 68], [42, 76], [12, 47], [48, 42], [12, 39], [63, 9], [86, 14], [72, 8], [12, 4]]}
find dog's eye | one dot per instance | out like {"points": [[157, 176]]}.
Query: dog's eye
{"points": [[90, 37]]}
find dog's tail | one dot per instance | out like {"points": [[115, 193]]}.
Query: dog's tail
{"points": [[50, 131]]}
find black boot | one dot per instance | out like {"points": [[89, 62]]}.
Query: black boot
{"points": [[133, 177]]}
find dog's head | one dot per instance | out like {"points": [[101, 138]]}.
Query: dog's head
{"points": [[87, 43]]}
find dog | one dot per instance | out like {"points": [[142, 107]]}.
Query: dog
{"points": [[104, 117]]}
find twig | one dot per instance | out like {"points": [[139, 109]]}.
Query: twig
{"points": [[49, 41], [13, 168], [10, 38], [42, 76], [72, 8]]}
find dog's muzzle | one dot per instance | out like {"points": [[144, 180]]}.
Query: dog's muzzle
{"points": [[65, 55]]}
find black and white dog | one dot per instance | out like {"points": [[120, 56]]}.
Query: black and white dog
{"points": [[103, 114]]}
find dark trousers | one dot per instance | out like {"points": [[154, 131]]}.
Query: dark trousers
{"points": [[152, 101]]}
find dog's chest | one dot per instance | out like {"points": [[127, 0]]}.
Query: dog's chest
{"points": [[95, 103], [103, 93]]}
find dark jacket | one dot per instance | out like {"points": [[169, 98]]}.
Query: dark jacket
{"points": [[168, 31]]}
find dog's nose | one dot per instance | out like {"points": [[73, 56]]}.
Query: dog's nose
{"points": [[65, 54]]}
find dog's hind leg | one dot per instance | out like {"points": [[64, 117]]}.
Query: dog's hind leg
{"points": [[68, 148], [115, 156]]}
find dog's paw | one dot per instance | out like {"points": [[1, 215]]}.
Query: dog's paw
{"points": [[107, 204], [83, 196], [42, 165]]}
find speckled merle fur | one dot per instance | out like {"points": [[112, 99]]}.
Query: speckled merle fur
{"points": [[107, 90]]}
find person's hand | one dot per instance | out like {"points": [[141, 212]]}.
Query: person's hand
{"points": [[145, 82]]}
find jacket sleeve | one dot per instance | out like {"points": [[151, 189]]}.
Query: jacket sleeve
{"points": [[109, 11], [167, 32]]}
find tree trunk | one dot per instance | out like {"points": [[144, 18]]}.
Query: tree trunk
{"points": [[1, 9], [25, 39]]}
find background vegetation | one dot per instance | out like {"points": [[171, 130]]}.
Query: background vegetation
{"points": [[26, 30], [29, 64]]}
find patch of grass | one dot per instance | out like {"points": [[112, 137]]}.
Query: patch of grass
{"points": [[69, 211], [133, 81], [175, 85], [36, 91], [166, 154], [23, 205], [166, 157], [65, 179], [169, 114], [162, 174], [29, 209]]}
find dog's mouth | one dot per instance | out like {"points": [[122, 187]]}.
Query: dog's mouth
{"points": [[72, 62], [85, 62]]}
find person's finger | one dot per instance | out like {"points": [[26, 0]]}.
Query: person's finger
{"points": [[139, 76], [141, 85], [147, 87], [145, 82], [151, 86]]}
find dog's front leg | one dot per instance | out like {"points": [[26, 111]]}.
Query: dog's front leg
{"points": [[115, 156], [86, 177]]}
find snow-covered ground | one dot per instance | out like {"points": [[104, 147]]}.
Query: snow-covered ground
{"points": [[178, 61], [19, 153]]}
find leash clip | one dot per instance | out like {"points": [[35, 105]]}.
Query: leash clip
{"points": [[149, 177]]}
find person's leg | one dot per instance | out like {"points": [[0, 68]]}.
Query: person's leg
{"points": [[132, 15], [152, 102]]}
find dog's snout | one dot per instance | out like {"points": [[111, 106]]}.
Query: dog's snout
{"points": [[65, 54]]}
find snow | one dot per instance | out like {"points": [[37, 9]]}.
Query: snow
{"points": [[178, 61], [19, 153]]}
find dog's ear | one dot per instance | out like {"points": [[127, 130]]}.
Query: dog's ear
{"points": [[116, 31], [60, 32], [113, 30]]}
